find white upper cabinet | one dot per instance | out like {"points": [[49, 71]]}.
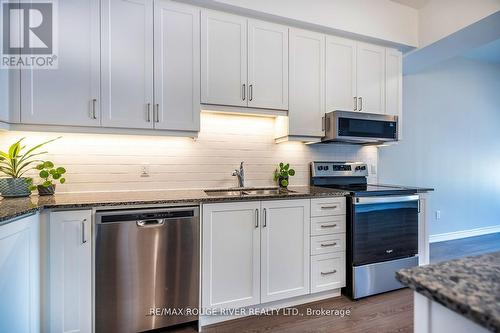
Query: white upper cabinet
{"points": [[267, 65], [127, 63], [177, 66], [223, 59], [340, 74], [231, 255], [370, 78], [285, 254], [68, 95], [70, 272], [394, 86], [307, 83], [394, 82]]}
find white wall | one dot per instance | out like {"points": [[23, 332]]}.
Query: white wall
{"points": [[382, 19], [440, 18], [452, 143], [4, 95], [114, 162]]}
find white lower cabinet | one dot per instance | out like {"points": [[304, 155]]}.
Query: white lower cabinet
{"points": [[328, 244], [231, 255], [70, 272], [285, 249], [327, 271], [255, 252], [20, 276]]}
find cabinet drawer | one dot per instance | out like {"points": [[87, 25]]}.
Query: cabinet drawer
{"points": [[327, 272], [327, 206], [326, 225], [327, 244]]}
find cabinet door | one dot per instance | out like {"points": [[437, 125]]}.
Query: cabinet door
{"points": [[20, 276], [285, 249], [223, 59], [394, 85], [70, 272], [340, 74], [177, 66], [68, 95], [127, 63], [307, 83], [231, 255], [267, 65], [371, 78]]}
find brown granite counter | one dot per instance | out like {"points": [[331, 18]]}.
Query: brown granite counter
{"points": [[12, 208]]}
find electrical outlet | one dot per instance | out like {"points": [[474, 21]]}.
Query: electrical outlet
{"points": [[145, 170], [438, 214]]}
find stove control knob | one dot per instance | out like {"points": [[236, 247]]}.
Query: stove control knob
{"points": [[326, 167], [320, 167], [358, 168]]}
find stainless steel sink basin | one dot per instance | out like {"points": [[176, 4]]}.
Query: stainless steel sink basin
{"points": [[267, 191], [244, 192], [224, 193]]}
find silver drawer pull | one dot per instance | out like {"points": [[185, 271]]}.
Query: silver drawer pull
{"points": [[329, 207], [328, 244], [329, 273], [328, 225]]}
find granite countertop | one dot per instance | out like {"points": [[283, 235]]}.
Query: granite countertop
{"points": [[469, 286], [12, 208]]}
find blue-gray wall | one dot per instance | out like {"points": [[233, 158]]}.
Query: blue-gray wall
{"points": [[451, 142]]}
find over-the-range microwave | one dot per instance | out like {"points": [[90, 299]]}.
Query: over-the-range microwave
{"points": [[360, 128]]}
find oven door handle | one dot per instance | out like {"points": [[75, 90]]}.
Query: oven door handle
{"points": [[386, 199]]}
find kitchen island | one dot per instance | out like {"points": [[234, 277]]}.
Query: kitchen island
{"points": [[461, 295]]}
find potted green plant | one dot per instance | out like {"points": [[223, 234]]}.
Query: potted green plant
{"points": [[282, 174], [49, 174], [14, 163]]}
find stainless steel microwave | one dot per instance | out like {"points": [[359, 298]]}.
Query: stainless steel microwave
{"points": [[360, 128]]}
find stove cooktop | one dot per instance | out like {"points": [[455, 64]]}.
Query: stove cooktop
{"points": [[372, 189]]}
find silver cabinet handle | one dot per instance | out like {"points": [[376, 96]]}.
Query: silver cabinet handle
{"points": [[328, 244], [360, 103], [250, 92], [150, 223], [83, 231], [157, 114], [265, 218], [329, 207], [244, 92], [328, 225], [94, 114], [148, 112], [256, 218], [355, 103], [330, 272]]}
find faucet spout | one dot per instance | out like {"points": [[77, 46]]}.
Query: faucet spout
{"points": [[240, 174]]}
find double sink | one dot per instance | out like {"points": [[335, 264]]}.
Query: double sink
{"points": [[247, 192]]}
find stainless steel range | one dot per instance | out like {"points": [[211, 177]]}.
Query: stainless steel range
{"points": [[382, 227]]}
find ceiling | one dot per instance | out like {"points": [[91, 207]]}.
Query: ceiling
{"points": [[489, 52], [417, 4]]}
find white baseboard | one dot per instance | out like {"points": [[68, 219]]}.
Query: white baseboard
{"points": [[463, 234]]}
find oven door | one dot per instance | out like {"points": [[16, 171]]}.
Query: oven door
{"points": [[384, 228]]}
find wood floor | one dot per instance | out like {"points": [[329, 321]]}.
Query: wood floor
{"points": [[389, 312], [464, 247]]}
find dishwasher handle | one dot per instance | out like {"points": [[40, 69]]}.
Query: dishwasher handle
{"points": [[150, 223]]}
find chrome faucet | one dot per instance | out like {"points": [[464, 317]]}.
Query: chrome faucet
{"points": [[241, 175]]}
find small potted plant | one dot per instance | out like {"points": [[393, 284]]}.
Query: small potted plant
{"points": [[14, 163], [49, 175], [282, 174]]}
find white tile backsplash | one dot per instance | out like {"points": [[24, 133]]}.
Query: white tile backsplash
{"points": [[97, 162]]}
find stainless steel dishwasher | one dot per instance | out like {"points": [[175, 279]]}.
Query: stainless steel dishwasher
{"points": [[146, 264]]}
